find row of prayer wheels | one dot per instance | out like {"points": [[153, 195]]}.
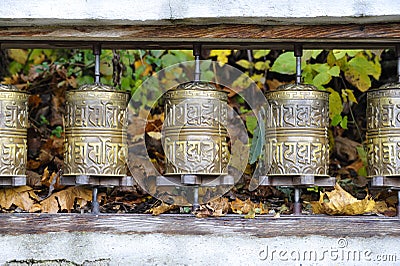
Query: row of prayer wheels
{"points": [[195, 138]]}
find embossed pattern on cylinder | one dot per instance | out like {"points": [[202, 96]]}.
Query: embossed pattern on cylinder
{"points": [[13, 131], [297, 131], [95, 131], [383, 130], [194, 138]]}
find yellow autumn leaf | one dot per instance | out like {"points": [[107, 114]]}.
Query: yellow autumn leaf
{"points": [[64, 199], [163, 208], [340, 202], [222, 56], [243, 207], [18, 55], [23, 197]]}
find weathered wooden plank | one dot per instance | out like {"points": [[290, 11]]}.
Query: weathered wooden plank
{"points": [[262, 227], [211, 36]]}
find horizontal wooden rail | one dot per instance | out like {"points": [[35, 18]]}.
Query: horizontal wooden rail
{"points": [[234, 36]]}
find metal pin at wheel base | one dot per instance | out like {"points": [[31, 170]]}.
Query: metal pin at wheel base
{"points": [[195, 139], [383, 135], [296, 137], [13, 135], [95, 136]]}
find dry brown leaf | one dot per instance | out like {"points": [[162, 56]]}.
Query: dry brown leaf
{"points": [[340, 202], [219, 207], [242, 207], [380, 207], [274, 84], [23, 197], [163, 208], [203, 212], [65, 199]]}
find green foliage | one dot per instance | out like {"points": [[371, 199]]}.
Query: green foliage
{"points": [[285, 64], [57, 131]]}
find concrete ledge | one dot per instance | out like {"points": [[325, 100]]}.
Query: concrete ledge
{"points": [[179, 240]]}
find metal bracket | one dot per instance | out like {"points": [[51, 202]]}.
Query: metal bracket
{"points": [[97, 180], [298, 181], [206, 181], [13, 181]]}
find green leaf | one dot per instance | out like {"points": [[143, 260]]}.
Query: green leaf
{"points": [[257, 144], [245, 64], [339, 54], [207, 75], [353, 53], [251, 123], [205, 65], [261, 65], [316, 53], [343, 123], [242, 82], [320, 68], [157, 53], [260, 53], [347, 93], [285, 64], [169, 60], [307, 74], [358, 71], [331, 59], [362, 154], [362, 171], [336, 120], [335, 103], [321, 79], [334, 71]]}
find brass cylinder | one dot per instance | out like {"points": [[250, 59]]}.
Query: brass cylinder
{"points": [[195, 140], [95, 132], [383, 131], [13, 132], [297, 131]]}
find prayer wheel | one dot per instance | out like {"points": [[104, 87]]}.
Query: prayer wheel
{"points": [[95, 131], [383, 135], [297, 146], [13, 135], [195, 140]]}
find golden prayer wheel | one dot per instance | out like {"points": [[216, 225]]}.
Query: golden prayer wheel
{"points": [[297, 146], [383, 135], [195, 139], [95, 132], [13, 135]]}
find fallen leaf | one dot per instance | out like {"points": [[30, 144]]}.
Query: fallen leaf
{"points": [[242, 207], [219, 207], [380, 207], [163, 208], [23, 197], [64, 199], [340, 202]]}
